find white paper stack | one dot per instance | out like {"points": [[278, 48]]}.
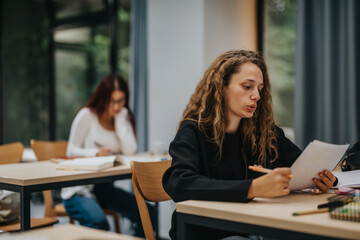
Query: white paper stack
{"points": [[348, 179], [316, 157], [91, 163]]}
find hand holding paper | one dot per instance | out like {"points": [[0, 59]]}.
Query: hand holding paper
{"points": [[325, 181], [316, 157]]}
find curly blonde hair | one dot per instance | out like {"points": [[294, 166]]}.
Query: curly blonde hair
{"points": [[207, 107]]}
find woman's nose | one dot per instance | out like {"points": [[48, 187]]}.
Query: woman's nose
{"points": [[255, 95], [116, 107]]}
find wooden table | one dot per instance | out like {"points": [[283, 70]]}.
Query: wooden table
{"points": [[26, 178], [268, 217], [69, 232]]}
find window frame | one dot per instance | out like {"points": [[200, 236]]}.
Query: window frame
{"points": [[107, 16]]}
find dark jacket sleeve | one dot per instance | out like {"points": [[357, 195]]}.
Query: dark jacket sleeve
{"points": [[287, 150], [187, 179]]}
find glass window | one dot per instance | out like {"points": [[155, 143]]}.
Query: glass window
{"points": [[77, 35], [25, 39], [72, 8], [81, 60], [124, 18], [279, 51]]}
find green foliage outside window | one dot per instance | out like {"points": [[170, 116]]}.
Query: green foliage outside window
{"points": [[81, 57], [80, 64], [25, 40], [124, 18]]}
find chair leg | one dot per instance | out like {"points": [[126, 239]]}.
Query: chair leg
{"points": [[117, 223], [71, 220], [115, 216]]}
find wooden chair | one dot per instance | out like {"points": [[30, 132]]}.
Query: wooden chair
{"points": [[45, 150], [34, 223], [147, 183], [11, 152]]}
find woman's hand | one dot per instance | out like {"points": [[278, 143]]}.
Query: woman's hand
{"points": [[103, 151], [324, 182], [123, 114], [273, 184]]}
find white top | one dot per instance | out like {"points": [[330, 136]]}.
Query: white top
{"points": [[87, 136]]}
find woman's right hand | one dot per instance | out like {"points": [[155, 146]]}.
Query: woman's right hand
{"points": [[273, 184], [103, 151]]}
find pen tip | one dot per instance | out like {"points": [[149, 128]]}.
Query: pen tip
{"points": [[295, 214]]}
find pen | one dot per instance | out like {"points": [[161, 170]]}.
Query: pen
{"points": [[68, 169], [258, 168], [324, 205], [336, 201], [100, 146], [321, 210]]}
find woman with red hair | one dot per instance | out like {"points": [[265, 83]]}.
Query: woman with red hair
{"points": [[104, 126]]}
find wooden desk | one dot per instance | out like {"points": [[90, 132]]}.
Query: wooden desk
{"points": [[269, 217], [26, 178], [69, 232]]}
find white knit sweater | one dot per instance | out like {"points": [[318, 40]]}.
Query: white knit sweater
{"points": [[87, 135]]}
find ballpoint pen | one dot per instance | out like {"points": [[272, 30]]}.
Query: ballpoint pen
{"points": [[261, 169]]}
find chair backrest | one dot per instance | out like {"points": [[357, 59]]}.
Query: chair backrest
{"points": [[147, 183], [45, 150], [11, 153]]}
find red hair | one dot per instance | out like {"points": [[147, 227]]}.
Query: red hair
{"points": [[100, 99]]}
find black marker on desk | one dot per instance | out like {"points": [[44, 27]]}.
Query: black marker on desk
{"points": [[324, 205]]}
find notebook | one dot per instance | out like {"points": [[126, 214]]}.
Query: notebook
{"points": [[348, 179], [88, 163]]}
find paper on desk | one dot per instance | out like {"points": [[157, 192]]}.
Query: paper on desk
{"points": [[88, 163], [137, 158], [316, 157], [348, 179]]}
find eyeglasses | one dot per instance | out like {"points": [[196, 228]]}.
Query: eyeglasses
{"points": [[119, 101]]}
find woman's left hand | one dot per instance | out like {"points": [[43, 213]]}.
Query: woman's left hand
{"points": [[324, 182]]}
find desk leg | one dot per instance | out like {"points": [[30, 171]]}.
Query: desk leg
{"points": [[180, 231], [157, 224], [185, 230], [24, 210]]}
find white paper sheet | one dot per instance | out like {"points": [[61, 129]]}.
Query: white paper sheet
{"points": [[316, 157], [88, 163], [128, 159], [348, 179]]}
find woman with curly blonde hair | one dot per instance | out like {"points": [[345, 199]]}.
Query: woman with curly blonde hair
{"points": [[227, 126]]}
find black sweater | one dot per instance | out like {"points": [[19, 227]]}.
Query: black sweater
{"points": [[197, 173]]}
